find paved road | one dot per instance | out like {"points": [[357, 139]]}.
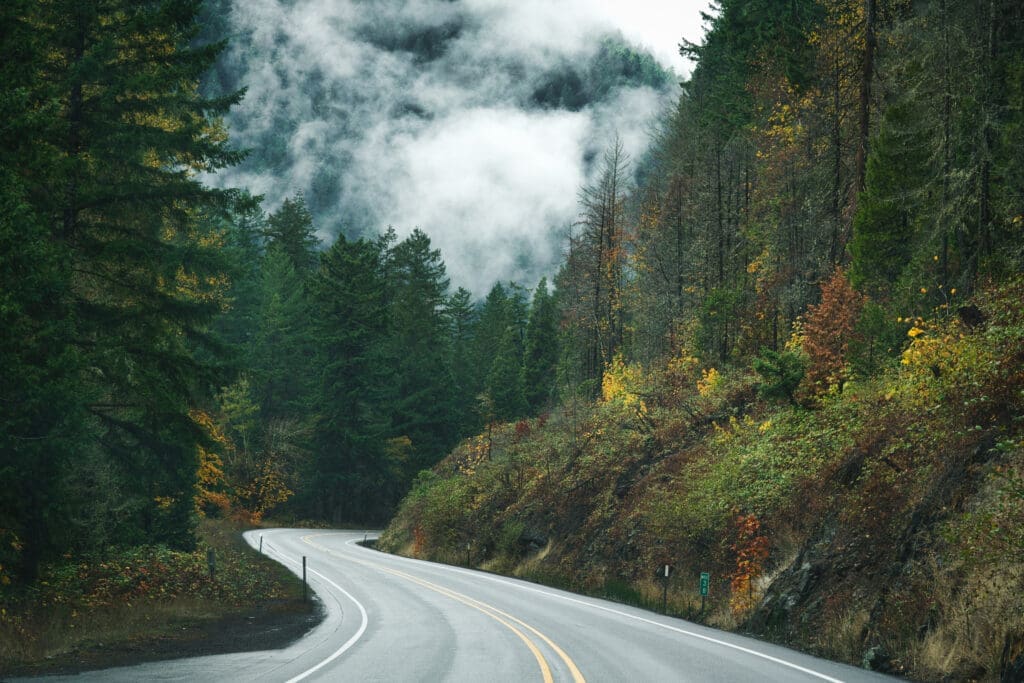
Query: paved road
{"points": [[395, 619]]}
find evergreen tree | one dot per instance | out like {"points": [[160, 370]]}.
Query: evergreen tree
{"points": [[282, 357], [244, 252], [540, 356], [462, 321], [351, 476], [490, 328], [291, 230], [41, 418], [109, 169], [884, 229], [505, 380], [418, 350]]}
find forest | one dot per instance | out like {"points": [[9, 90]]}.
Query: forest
{"points": [[786, 344]]}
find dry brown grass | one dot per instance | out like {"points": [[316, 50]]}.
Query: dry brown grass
{"points": [[972, 628], [841, 637], [59, 631]]}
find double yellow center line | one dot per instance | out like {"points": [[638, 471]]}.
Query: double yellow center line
{"points": [[504, 618]]}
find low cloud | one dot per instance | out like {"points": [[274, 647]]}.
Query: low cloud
{"points": [[424, 113]]}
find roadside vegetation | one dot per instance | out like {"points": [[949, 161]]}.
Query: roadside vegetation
{"points": [[879, 518], [150, 602], [784, 345]]}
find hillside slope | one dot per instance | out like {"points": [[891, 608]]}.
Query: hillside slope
{"points": [[880, 525]]}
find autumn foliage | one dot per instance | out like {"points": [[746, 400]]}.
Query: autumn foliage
{"points": [[828, 328], [751, 548]]}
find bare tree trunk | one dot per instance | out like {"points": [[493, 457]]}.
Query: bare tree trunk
{"points": [[870, 41], [835, 246]]}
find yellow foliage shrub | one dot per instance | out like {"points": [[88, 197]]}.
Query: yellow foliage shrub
{"points": [[709, 381], [621, 384]]}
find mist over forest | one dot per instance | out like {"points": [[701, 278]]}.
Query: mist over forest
{"points": [[492, 279], [474, 121]]}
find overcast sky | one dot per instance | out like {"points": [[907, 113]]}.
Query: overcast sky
{"points": [[657, 25], [454, 144]]}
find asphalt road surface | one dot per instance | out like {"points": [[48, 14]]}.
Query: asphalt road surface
{"points": [[394, 619]]}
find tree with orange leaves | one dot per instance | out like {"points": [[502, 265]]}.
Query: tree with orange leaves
{"points": [[751, 550], [828, 329]]}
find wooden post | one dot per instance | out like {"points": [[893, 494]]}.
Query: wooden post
{"points": [[261, 544], [305, 592], [211, 562]]}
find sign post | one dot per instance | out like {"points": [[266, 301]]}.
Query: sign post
{"points": [[705, 584], [665, 573], [305, 595]]}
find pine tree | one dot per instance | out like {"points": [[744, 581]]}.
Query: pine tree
{"points": [[540, 356], [491, 323], [885, 226], [127, 219], [462, 320], [350, 476], [419, 356], [41, 414], [244, 252], [282, 355], [291, 230], [505, 380]]}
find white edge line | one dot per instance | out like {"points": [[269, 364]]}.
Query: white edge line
{"points": [[635, 617], [348, 643]]}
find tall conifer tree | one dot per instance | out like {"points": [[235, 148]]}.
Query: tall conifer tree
{"points": [[540, 357], [125, 211]]}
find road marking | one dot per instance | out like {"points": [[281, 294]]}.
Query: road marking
{"points": [[635, 617], [348, 643], [490, 610], [545, 670]]}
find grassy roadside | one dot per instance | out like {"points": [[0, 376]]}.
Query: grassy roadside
{"points": [[146, 604], [881, 524]]}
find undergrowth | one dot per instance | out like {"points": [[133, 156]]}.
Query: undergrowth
{"points": [[853, 516], [137, 593]]}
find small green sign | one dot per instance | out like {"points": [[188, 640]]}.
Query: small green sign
{"points": [[705, 582]]}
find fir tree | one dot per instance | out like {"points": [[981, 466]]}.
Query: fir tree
{"points": [[140, 274], [462, 321], [540, 357], [505, 380], [281, 356], [418, 349], [291, 230], [350, 473]]}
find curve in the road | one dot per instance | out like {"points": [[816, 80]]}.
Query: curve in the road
{"points": [[400, 619], [501, 616], [634, 617], [350, 642]]}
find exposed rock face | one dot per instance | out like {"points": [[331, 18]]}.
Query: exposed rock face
{"points": [[879, 576], [784, 595], [532, 540], [877, 659], [1013, 659], [1014, 674]]}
